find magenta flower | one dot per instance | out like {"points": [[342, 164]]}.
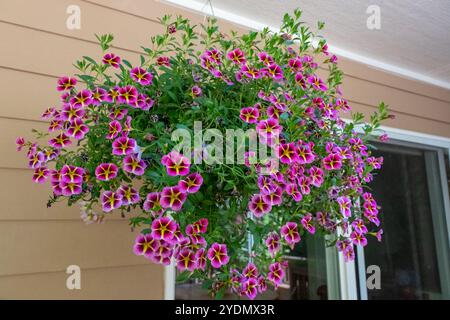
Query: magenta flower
{"points": [[304, 184], [258, 206], [262, 285], [237, 56], [349, 254], [129, 195], [176, 164], [213, 55], [55, 125], [295, 64], [145, 245], [110, 201], [41, 174], [141, 76], [114, 128], [275, 274], [250, 288], [20, 143], [250, 72], [274, 198], [332, 162], [359, 226], [81, 99], [292, 190], [200, 257], [36, 160], [132, 164], [123, 146], [316, 175], [118, 113], [290, 233], [196, 91], [192, 183], [265, 58], [48, 113], [98, 96], [70, 188], [172, 197], [345, 205], [300, 80], [127, 95], [152, 203], [305, 154], [249, 115], [358, 238], [274, 71], [112, 60], [268, 129], [112, 94], [163, 228], [250, 271], [70, 112], [217, 254], [186, 260], [106, 171], [379, 234], [77, 129], [286, 153], [163, 61], [317, 83], [273, 243], [72, 174], [307, 223], [66, 83]]}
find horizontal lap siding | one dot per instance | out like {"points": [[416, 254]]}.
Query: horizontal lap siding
{"points": [[37, 243]]}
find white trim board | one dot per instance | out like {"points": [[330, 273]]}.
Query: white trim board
{"points": [[205, 9]]}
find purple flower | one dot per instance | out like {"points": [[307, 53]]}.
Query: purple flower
{"points": [[192, 183], [72, 174], [172, 197], [132, 164], [258, 206], [77, 129], [123, 146], [36, 160], [274, 71], [290, 233], [20, 143], [153, 204], [145, 245], [292, 190], [250, 288], [176, 164], [70, 188], [127, 95], [345, 206], [110, 201], [81, 99], [237, 56], [273, 243], [275, 274], [332, 162], [129, 195], [41, 174], [163, 228], [186, 260], [196, 91], [287, 153], [70, 112], [106, 171], [66, 83], [250, 72], [217, 254], [141, 76], [249, 115], [98, 96], [358, 238], [114, 128], [112, 60], [265, 58], [307, 223]]}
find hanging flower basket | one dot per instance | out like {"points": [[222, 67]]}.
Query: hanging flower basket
{"points": [[224, 151]]}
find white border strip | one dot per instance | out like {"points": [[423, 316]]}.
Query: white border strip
{"points": [[205, 8]]}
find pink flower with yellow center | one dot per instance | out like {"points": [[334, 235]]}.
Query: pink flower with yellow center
{"points": [[249, 115], [358, 238], [173, 198], [163, 228], [70, 112], [145, 245], [316, 175], [300, 80], [295, 64], [268, 130], [305, 154], [237, 56], [273, 243], [110, 201], [114, 128], [41, 174], [274, 198], [66, 83], [186, 260], [98, 96], [163, 61], [127, 95], [292, 190], [152, 203], [192, 183], [217, 254], [123, 146], [141, 76], [274, 71], [60, 141], [250, 72], [250, 288], [112, 60], [287, 153], [77, 129], [176, 164], [317, 83], [290, 233], [345, 206], [332, 162], [258, 206], [129, 195], [55, 125], [265, 58], [200, 255], [275, 274], [72, 174], [48, 113], [81, 99], [106, 171], [307, 223], [36, 160]]}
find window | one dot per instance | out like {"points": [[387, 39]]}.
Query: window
{"points": [[414, 254]]}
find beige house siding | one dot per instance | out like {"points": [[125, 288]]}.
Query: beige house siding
{"points": [[36, 243]]}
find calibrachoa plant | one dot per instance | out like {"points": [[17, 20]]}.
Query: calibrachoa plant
{"points": [[109, 149]]}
